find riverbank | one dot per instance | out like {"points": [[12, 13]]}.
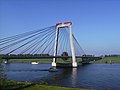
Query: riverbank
{"points": [[13, 85], [109, 60], [40, 60], [104, 60]]}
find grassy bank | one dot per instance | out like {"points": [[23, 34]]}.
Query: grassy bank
{"points": [[109, 59], [45, 87], [104, 60], [40, 60], [13, 85]]}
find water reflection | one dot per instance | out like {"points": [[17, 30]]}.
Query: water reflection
{"points": [[63, 77], [74, 77]]}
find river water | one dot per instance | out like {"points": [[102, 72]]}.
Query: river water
{"points": [[98, 76]]}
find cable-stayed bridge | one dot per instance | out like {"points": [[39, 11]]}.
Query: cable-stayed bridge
{"points": [[51, 42]]}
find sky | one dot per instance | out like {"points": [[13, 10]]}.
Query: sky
{"points": [[95, 23]]}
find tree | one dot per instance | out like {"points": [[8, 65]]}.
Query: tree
{"points": [[2, 75], [65, 54]]}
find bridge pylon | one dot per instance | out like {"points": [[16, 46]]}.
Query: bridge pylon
{"points": [[69, 26]]}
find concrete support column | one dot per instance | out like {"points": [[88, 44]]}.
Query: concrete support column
{"points": [[62, 25], [74, 63], [55, 47]]}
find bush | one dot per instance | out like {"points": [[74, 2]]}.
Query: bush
{"points": [[64, 54]]}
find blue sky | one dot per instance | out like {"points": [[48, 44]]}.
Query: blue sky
{"points": [[96, 23]]}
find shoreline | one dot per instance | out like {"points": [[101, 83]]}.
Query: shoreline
{"points": [[50, 63], [103, 60], [13, 85]]}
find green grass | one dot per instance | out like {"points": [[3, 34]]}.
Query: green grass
{"points": [[40, 60], [13, 85], [45, 87], [106, 59], [31, 60], [109, 59]]}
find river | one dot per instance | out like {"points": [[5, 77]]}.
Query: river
{"points": [[98, 76]]}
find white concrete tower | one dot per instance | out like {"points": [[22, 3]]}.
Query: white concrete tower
{"points": [[61, 25]]}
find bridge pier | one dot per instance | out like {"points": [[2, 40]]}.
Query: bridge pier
{"points": [[62, 25], [54, 62], [55, 46], [74, 63]]}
